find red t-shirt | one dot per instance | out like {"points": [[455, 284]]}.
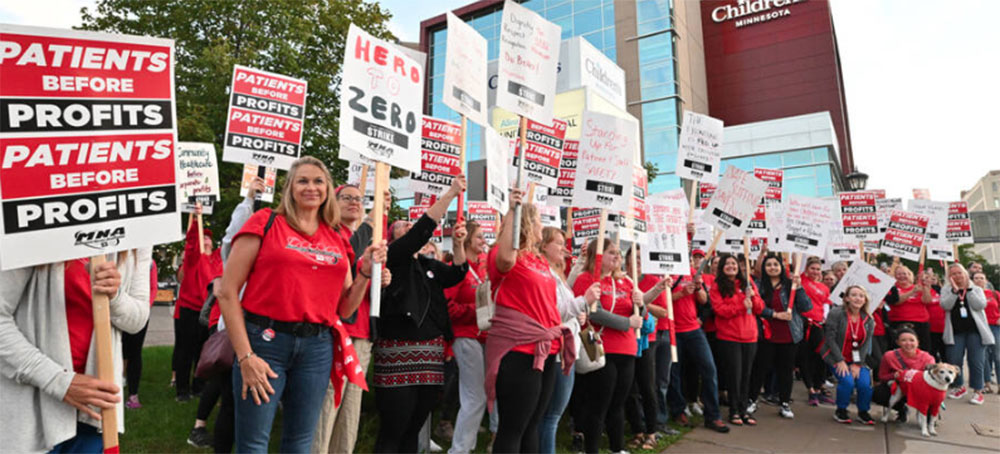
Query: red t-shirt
{"points": [[199, 270], [819, 294], [647, 282], [879, 326], [708, 325], [462, 302], [732, 321], [935, 314], [855, 333], [911, 310], [528, 288], [685, 308], [295, 277], [617, 342], [992, 307], [781, 333], [79, 311]]}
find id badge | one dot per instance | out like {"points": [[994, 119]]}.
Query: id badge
{"points": [[962, 312], [855, 356]]}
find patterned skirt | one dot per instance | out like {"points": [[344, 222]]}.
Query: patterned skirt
{"points": [[407, 363]]}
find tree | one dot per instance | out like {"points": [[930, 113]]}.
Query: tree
{"points": [[300, 38]]}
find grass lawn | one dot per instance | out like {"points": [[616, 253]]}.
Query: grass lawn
{"points": [[162, 424]]}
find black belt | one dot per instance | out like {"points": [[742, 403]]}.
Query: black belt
{"points": [[298, 329]]}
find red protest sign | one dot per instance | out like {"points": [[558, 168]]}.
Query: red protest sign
{"points": [[905, 234], [959, 223], [922, 194], [87, 144], [774, 179], [562, 193], [705, 193], [545, 147], [586, 224], [418, 210], [265, 121], [487, 218], [441, 145], [859, 215]]}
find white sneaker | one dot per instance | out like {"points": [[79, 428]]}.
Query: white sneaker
{"points": [[696, 409], [752, 407], [786, 412], [435, 447], [687, 412], [829, 385]]}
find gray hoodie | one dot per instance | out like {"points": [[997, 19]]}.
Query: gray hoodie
{"points": [[975, 301]]}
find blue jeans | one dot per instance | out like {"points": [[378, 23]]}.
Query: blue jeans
{"points": [[303, 368], [87, 441], [694, 344], [550, 420], [847, 384], [663, 364], [968, 343], [992, 356]]}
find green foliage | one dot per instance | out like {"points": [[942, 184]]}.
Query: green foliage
{"points": [[651, 170], [300, 38]]}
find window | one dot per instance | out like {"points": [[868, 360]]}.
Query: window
{"points": [[587, 21]]}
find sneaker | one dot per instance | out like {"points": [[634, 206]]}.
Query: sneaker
{"points": [[687, 412], [958, 393], [752, 407], [435, 447], [444, 430], [183, 397], [865, 418], [977, 398], [717, 426], [813, 399], [133, 402], [696, 409], [828, 384], [683, 421], [826, 400], [841, 416], [786, 412], [772, 400], [200, 438]]}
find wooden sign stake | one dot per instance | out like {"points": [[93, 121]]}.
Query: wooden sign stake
{"points": [[460, 214], [381, 185], [361, 187], [105, 359]]}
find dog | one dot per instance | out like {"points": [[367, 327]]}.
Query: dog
{"points": [[925, 392]]}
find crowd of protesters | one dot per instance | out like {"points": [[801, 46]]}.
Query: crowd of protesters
{"points": [[289, 288]]}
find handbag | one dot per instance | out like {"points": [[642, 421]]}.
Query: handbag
{"points": [[485, 302], [593, 347], [217, 356]]}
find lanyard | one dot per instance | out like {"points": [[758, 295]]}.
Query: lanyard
{"points": [[854, 330]]}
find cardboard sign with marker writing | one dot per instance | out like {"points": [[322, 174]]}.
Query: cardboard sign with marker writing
{"points": [[199, 176], [666, 248], [699, 150], [465, 71], [735, 201], [937, 217], [841, 247], [529, 55], [608, 146], [807, 224]]}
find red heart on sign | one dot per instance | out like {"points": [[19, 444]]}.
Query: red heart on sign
{"points": [[873, 279]]}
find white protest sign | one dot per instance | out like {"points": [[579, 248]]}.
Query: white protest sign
{"points": [[354, 177], [937, 217], [873, 280], [608, 146], [807, 224], [776, 227], [497, 182], [703, 233], [666, 248], [381, 101], [550, 215], [529, 55], [266, 118], [251, 171], [465, 71], [199, 176], [940, 250], [885, 207], [699, 151], [732, 241], [841, 247], [88, 169], [735, 201]]}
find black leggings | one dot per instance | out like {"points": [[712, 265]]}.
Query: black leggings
{"points": [[738, 358], [210, 396], [811, 363], [132, 352], [937, 347], [923, 330], [402, 412], [642, 395], [616, 376], [523, 395], [779, 358], [225, 420], [189, 336]]}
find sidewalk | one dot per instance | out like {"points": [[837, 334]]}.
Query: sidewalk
{"points": [[814, 431], [161, 326]]}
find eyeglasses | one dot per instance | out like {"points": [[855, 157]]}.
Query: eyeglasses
{"points": [[350, 198]]}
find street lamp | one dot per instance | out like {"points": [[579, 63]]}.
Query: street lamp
{"points": [[856, 181]]}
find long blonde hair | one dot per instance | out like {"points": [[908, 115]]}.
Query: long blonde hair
{"points": [[590, 264], [329, 212], [864, 307], [548, 235], [529, 220]]}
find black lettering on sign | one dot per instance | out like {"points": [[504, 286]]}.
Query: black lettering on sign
{"points": [[498, 193], [50, 115], [854, 230], [604, 187], [522, 91], [700, 166], [900, 246], [665, 257], [465, 99], [379, 132], [727, 218], [27, 215], [802, 240]]}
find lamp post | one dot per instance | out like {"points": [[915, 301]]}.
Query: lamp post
{"points": [[856, 181]]}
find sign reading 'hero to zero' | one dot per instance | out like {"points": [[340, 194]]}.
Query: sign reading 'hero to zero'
{"points": [[87, 144], [266, 115]]}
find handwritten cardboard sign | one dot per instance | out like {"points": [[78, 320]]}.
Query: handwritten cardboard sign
{"points": [[465, 71], [608, 146], [937, 214], [807, 224], [735, 202], [199, 176], [666, 247], [529, 56], [699, 150]]}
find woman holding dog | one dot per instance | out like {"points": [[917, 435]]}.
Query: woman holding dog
{"points": [[907, 356], [966, 331], [849, 330]]}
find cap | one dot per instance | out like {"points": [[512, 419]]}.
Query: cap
{"points": [[698, 252]]}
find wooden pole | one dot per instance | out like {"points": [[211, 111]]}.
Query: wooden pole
{"points": [[954, 252], [361, 187], [708, 254], [861, 251], [796, 261], [691, 199], [599, 251], [201, 233], [516, 241], [381, 183], [460, 214], [105, 358], [635, 284], [920, 268], [531, 192]]}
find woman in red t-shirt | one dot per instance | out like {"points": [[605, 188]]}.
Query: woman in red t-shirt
{"points": [[735, 306], [526, 334], [606, 388], [908, 304], [296, 269]]}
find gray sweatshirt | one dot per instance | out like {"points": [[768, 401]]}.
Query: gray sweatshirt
{"points": [[36, 365], [975, 301]]}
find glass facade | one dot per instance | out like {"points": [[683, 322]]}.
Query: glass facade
{"points": [[807, 172]]}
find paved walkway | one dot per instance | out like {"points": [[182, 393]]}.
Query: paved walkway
{"points": [[814, 431], [161, 326]]}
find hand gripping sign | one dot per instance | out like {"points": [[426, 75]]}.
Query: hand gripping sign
{"points": [[266, 116], [699, 149], [381, 101], [529, 54]]}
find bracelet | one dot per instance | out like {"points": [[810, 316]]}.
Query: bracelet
{"points": [[363, 274], [248, 355]]}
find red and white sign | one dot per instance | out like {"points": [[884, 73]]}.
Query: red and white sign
{"points": [[486, 217], [774, 179], [733, 205], [705, 193], [905, 234], [439, 159], [418, 210], [922, 194], [88, 159], [666, 251], [250, 171], [959, 223], [545, 147], [562, 193], [859, 215], [266, 116], [633, 225], [586, 224]]}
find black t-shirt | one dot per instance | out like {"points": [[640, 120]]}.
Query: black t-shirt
{"points": [[961, 324]]}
